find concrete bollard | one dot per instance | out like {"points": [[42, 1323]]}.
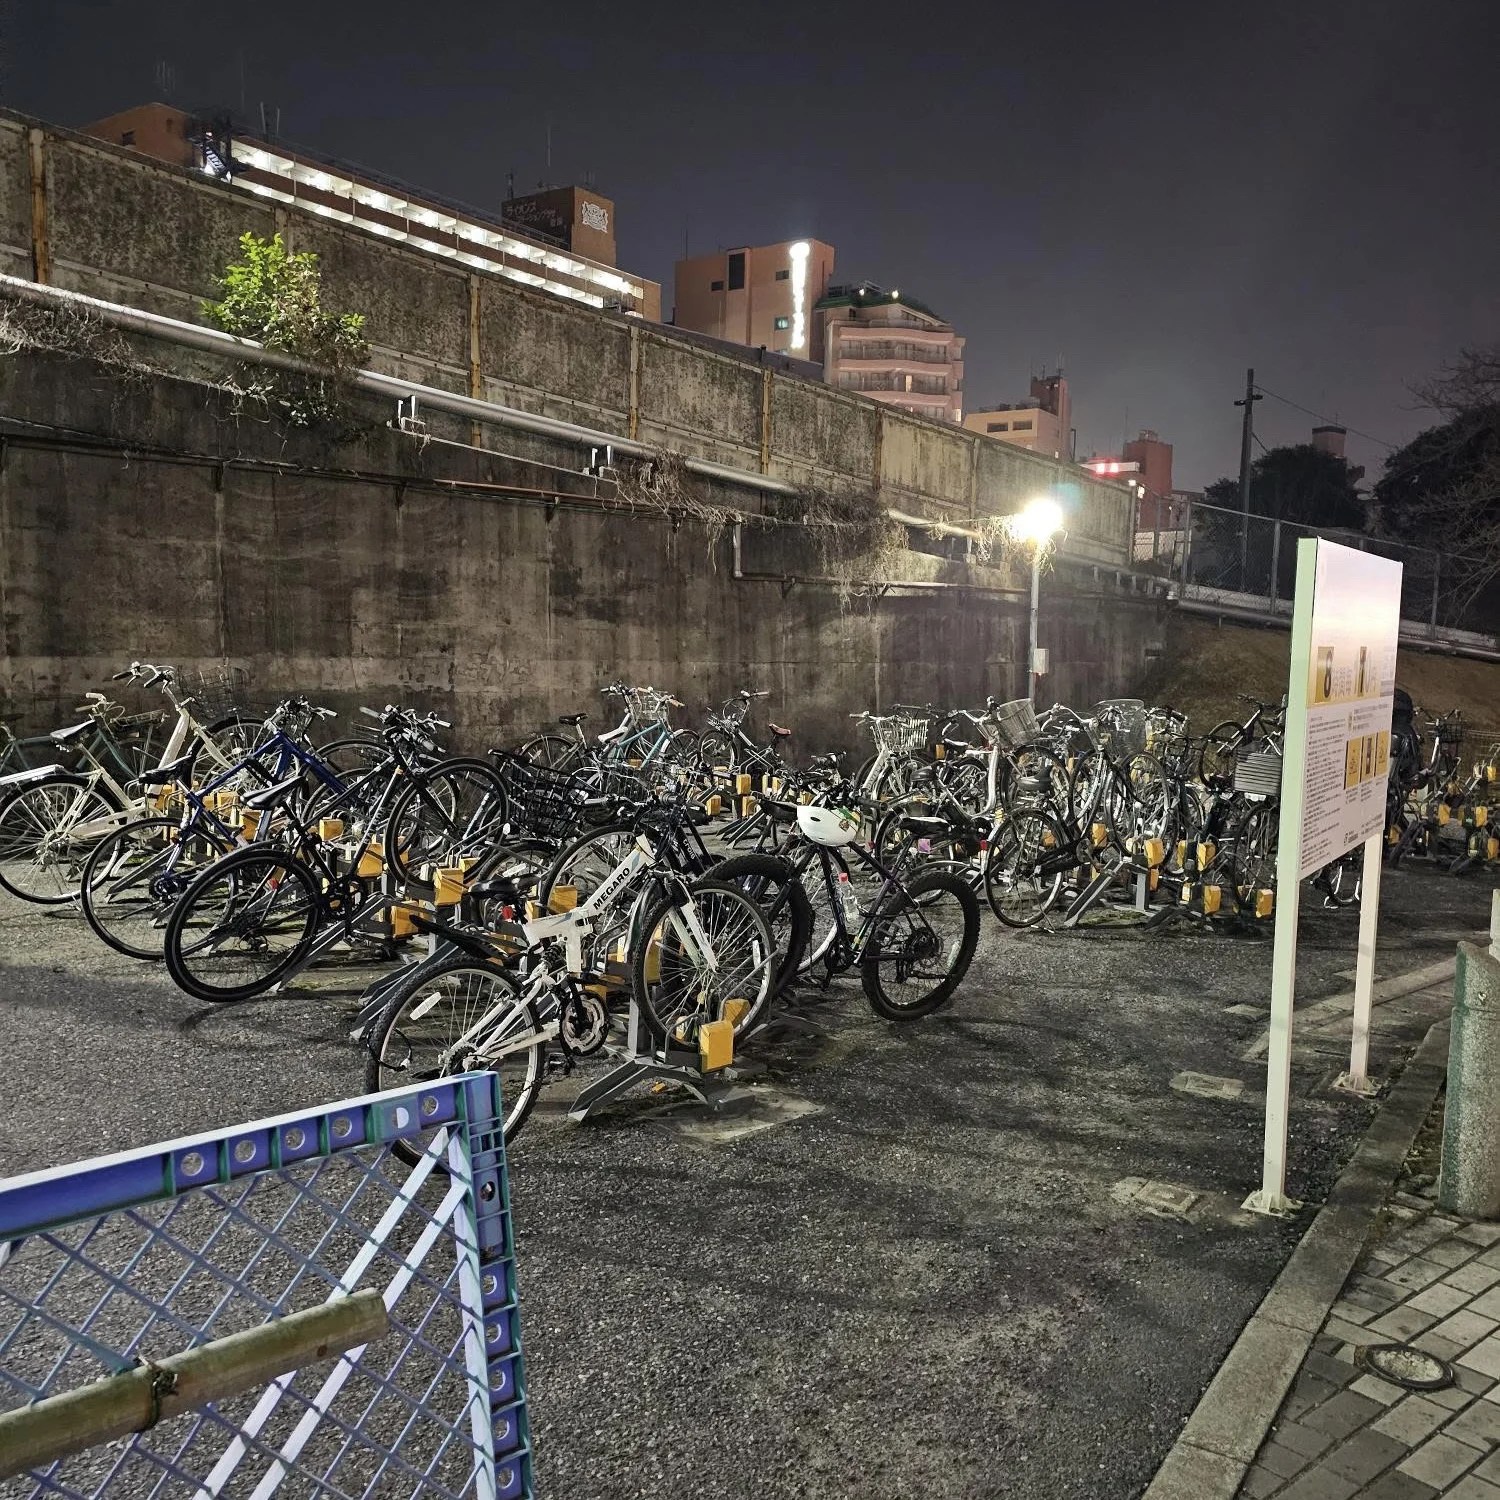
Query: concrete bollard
{"points": [[1470, 1179]]}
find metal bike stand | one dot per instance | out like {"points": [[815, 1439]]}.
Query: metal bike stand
{"points": [[670, 1065], [788, 1014], [369, 922], [1093, 893]]}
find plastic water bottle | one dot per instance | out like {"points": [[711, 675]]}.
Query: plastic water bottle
{"points": [[847, 899]]}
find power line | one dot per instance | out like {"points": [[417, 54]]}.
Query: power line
{"points": [[1308, 411]]}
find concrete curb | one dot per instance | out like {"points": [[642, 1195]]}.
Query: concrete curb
{"points": [[1224, 1433], [1397, 987]]}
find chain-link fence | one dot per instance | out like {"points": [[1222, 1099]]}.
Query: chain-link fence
{"points": [[1250, 562], [171, 1253]]}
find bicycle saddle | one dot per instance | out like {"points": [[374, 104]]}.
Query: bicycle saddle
{"points": [[269, 794], [172, 771], [571, 720], [778, 731], [501, 888], [71, 733]]}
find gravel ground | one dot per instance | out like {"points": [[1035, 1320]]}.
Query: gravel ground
{"points": [[925, 1281]]}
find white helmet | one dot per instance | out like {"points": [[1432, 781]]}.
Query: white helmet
{"points": [[833, 826]]}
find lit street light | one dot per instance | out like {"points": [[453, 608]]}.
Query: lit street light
{"points": [[1037, 524]]}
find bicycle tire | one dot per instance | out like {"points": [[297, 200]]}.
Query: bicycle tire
{"points": [[111, 912], [251, 871], [1013, 862], [444, 828], [772, 883], [517, 1097], [902, 906], [659, 959], [233, 735], [717, 748], [1216, 758], [822, 896], [551, 750], [29, 817]]}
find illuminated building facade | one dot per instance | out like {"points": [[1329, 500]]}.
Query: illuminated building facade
{"points": [[760, 296], [893, 349], [422, 221]]}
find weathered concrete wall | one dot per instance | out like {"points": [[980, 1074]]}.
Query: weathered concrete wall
{"points": [[150, 235], [347, 572]]}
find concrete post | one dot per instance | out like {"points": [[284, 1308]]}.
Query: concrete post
{"points": [[1470, 1180]]}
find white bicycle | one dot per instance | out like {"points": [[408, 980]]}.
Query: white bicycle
{"points": [[525, 999], [51, 817]]}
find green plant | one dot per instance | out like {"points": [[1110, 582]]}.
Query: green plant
{"points": [[275, 297]]}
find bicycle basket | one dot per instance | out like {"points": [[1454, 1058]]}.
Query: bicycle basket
{"points": [[545, 804], [1257, 773], [1122, 726], [216, 691], [1016, 724], [900, 735]]}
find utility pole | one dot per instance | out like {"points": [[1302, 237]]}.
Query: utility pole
{"points": [[1246, 433]]}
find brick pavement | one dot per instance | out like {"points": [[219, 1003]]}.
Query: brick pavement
{"points": [[1343, 1434]]}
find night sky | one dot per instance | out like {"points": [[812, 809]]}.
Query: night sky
{"points": [[1162, 194]]}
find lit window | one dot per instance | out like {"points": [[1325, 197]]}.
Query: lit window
{"points": [[783, 323]]}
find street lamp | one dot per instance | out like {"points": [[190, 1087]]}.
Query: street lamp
{"points": [[1039, 521]]}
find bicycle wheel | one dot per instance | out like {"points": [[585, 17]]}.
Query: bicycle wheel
{"points": [[550, 750], [693, 956], [1253, 857], [1023, 867], [464, 1015], [134, 877], [457, 808], [900, 848], [967, 781], [1216, 758], [772, 883], [1039, 779], [352, 756], [234, 736], [1141, 804], [919, 945], [242, 925], [47, 831], [718, 750]]}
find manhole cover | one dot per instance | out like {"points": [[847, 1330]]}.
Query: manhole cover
{"points": [[1403, 1365]]}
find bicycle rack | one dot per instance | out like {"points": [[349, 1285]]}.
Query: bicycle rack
{"points": [[1137, 877], [639, 1065], [370, 921]]}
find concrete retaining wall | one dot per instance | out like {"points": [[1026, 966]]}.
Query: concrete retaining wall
{"points": [[117, 225], [178, 532]]}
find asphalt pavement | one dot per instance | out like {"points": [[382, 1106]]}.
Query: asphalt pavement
{"points": [[995, 1252]]}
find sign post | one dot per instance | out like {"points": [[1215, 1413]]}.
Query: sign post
{"points": [[1340, 691]]}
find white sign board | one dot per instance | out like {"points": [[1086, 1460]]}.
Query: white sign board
{"points": [[1351, 682], [1337, 749]]}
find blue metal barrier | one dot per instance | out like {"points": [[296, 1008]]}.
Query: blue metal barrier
{"points": [[128, 1259]]}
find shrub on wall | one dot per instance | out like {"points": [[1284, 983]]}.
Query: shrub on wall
{"points": [[275, 297]]}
